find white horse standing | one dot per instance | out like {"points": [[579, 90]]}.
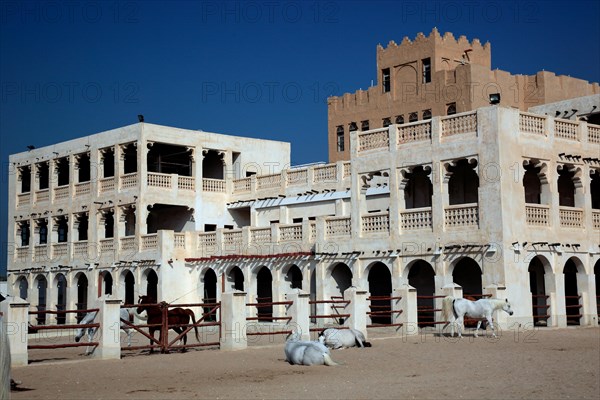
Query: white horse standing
{"points": [[91, 316], [340, 338], [301, 352], [455, 309]]}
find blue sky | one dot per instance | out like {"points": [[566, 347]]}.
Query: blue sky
{"points": [[258, 68]]}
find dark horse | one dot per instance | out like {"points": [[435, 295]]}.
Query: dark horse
{"points": [[176, 316]]}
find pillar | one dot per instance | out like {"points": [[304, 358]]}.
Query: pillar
{"points": [[233, 321], [357, 308], [299, 311], [14, 323], [408, 305]]}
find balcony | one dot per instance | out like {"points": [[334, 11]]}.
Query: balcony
{"points": [[42, 196], [571, 217], [82, 189], [596, 220], [60, 251], [461, 215], [376, 223], [61, 193], [129, 181], [414, 132], [415, 219], [537, 215], [214, 185], [459, 124], [107, 185], [532, 123], [23, 199], [373, 140], [338, 227]]}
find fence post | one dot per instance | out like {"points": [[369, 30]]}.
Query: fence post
{"points": [[357, 308], [233, 321], [498, 292], [408, 304], [109, 338], [14, 324], [299, 311]]}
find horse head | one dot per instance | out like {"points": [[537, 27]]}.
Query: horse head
{"points": [[506, 307], [143, 299]]}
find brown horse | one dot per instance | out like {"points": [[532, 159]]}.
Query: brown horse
{"points": [[175, 316]]}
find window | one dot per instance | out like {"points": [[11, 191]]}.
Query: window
{"points": [[340, 138], [387, 122], [210, 227], [109, 225], [24, 234], [43, 232], [43, 174], [108, 163], [426, 70], [413, 117], [399, 119], [82, 228], [352, 127], [62, 230], [364, 125], [296, 220], [427, 114], [451, 109], [385, 79], [25, 175]]}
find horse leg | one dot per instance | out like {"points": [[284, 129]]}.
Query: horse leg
{"points": [[459, 322], [491, 323], [477, 328]]}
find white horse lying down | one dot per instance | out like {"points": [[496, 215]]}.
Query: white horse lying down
{"points": [[300, 352], [340, 338], [455, 309], [91, 316]]}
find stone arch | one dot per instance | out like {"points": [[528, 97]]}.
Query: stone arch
{"points": [[60, 282], [467, 273], [572, 271], [341, 279], [127, 287], [82, 283], [208, 282], [235, 278], [417, 186], [21, 286], [105, 283], [292, 276], [463, 181], [421, 276], [264, 294], [540, 274], [405, 80], [380, 285], [535, 182], [569, 186], [41, 283], [151, 278]]}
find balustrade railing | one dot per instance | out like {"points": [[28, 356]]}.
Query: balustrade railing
{"points": [[376, 222], [107, 185], [571, 217], [242, 185], [325, 173], [186, 183], [232, 237], [129, 180], [457, 124], [214, 185], [23, 199], [347, 169], [42, 196], [268, 181], [80, 249], [565, 129], [159, 180], [179, 239], [150, 241], [461, 215], [41, 252], [537, 215], [83, 189], [414, 132], [596, 219], [60, 250], [532, 123], [594, 133], [375, 139], [288, 233], [338, 226], [61, 192], [23, 253], [419, 218], [107, 246], [297, 177], [128, 243], [207, 240], [260, 235]]}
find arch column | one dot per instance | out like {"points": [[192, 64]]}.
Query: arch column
{"points": [[586, 284], [557, 301]]}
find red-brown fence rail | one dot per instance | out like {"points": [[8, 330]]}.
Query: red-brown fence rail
{"points": [[337, 303], [160, 323], [540, 308], [267, 303], [37, 328], [573, 308], [381, 313], [426, 313]]}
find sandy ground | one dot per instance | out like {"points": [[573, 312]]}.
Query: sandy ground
{"points": [[540, 364]]}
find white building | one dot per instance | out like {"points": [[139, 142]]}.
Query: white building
{"points": [[479, 201]]}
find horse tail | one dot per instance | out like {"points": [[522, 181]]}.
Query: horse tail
{"points": [[191, 314], [447, 306], [328, 361]]}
